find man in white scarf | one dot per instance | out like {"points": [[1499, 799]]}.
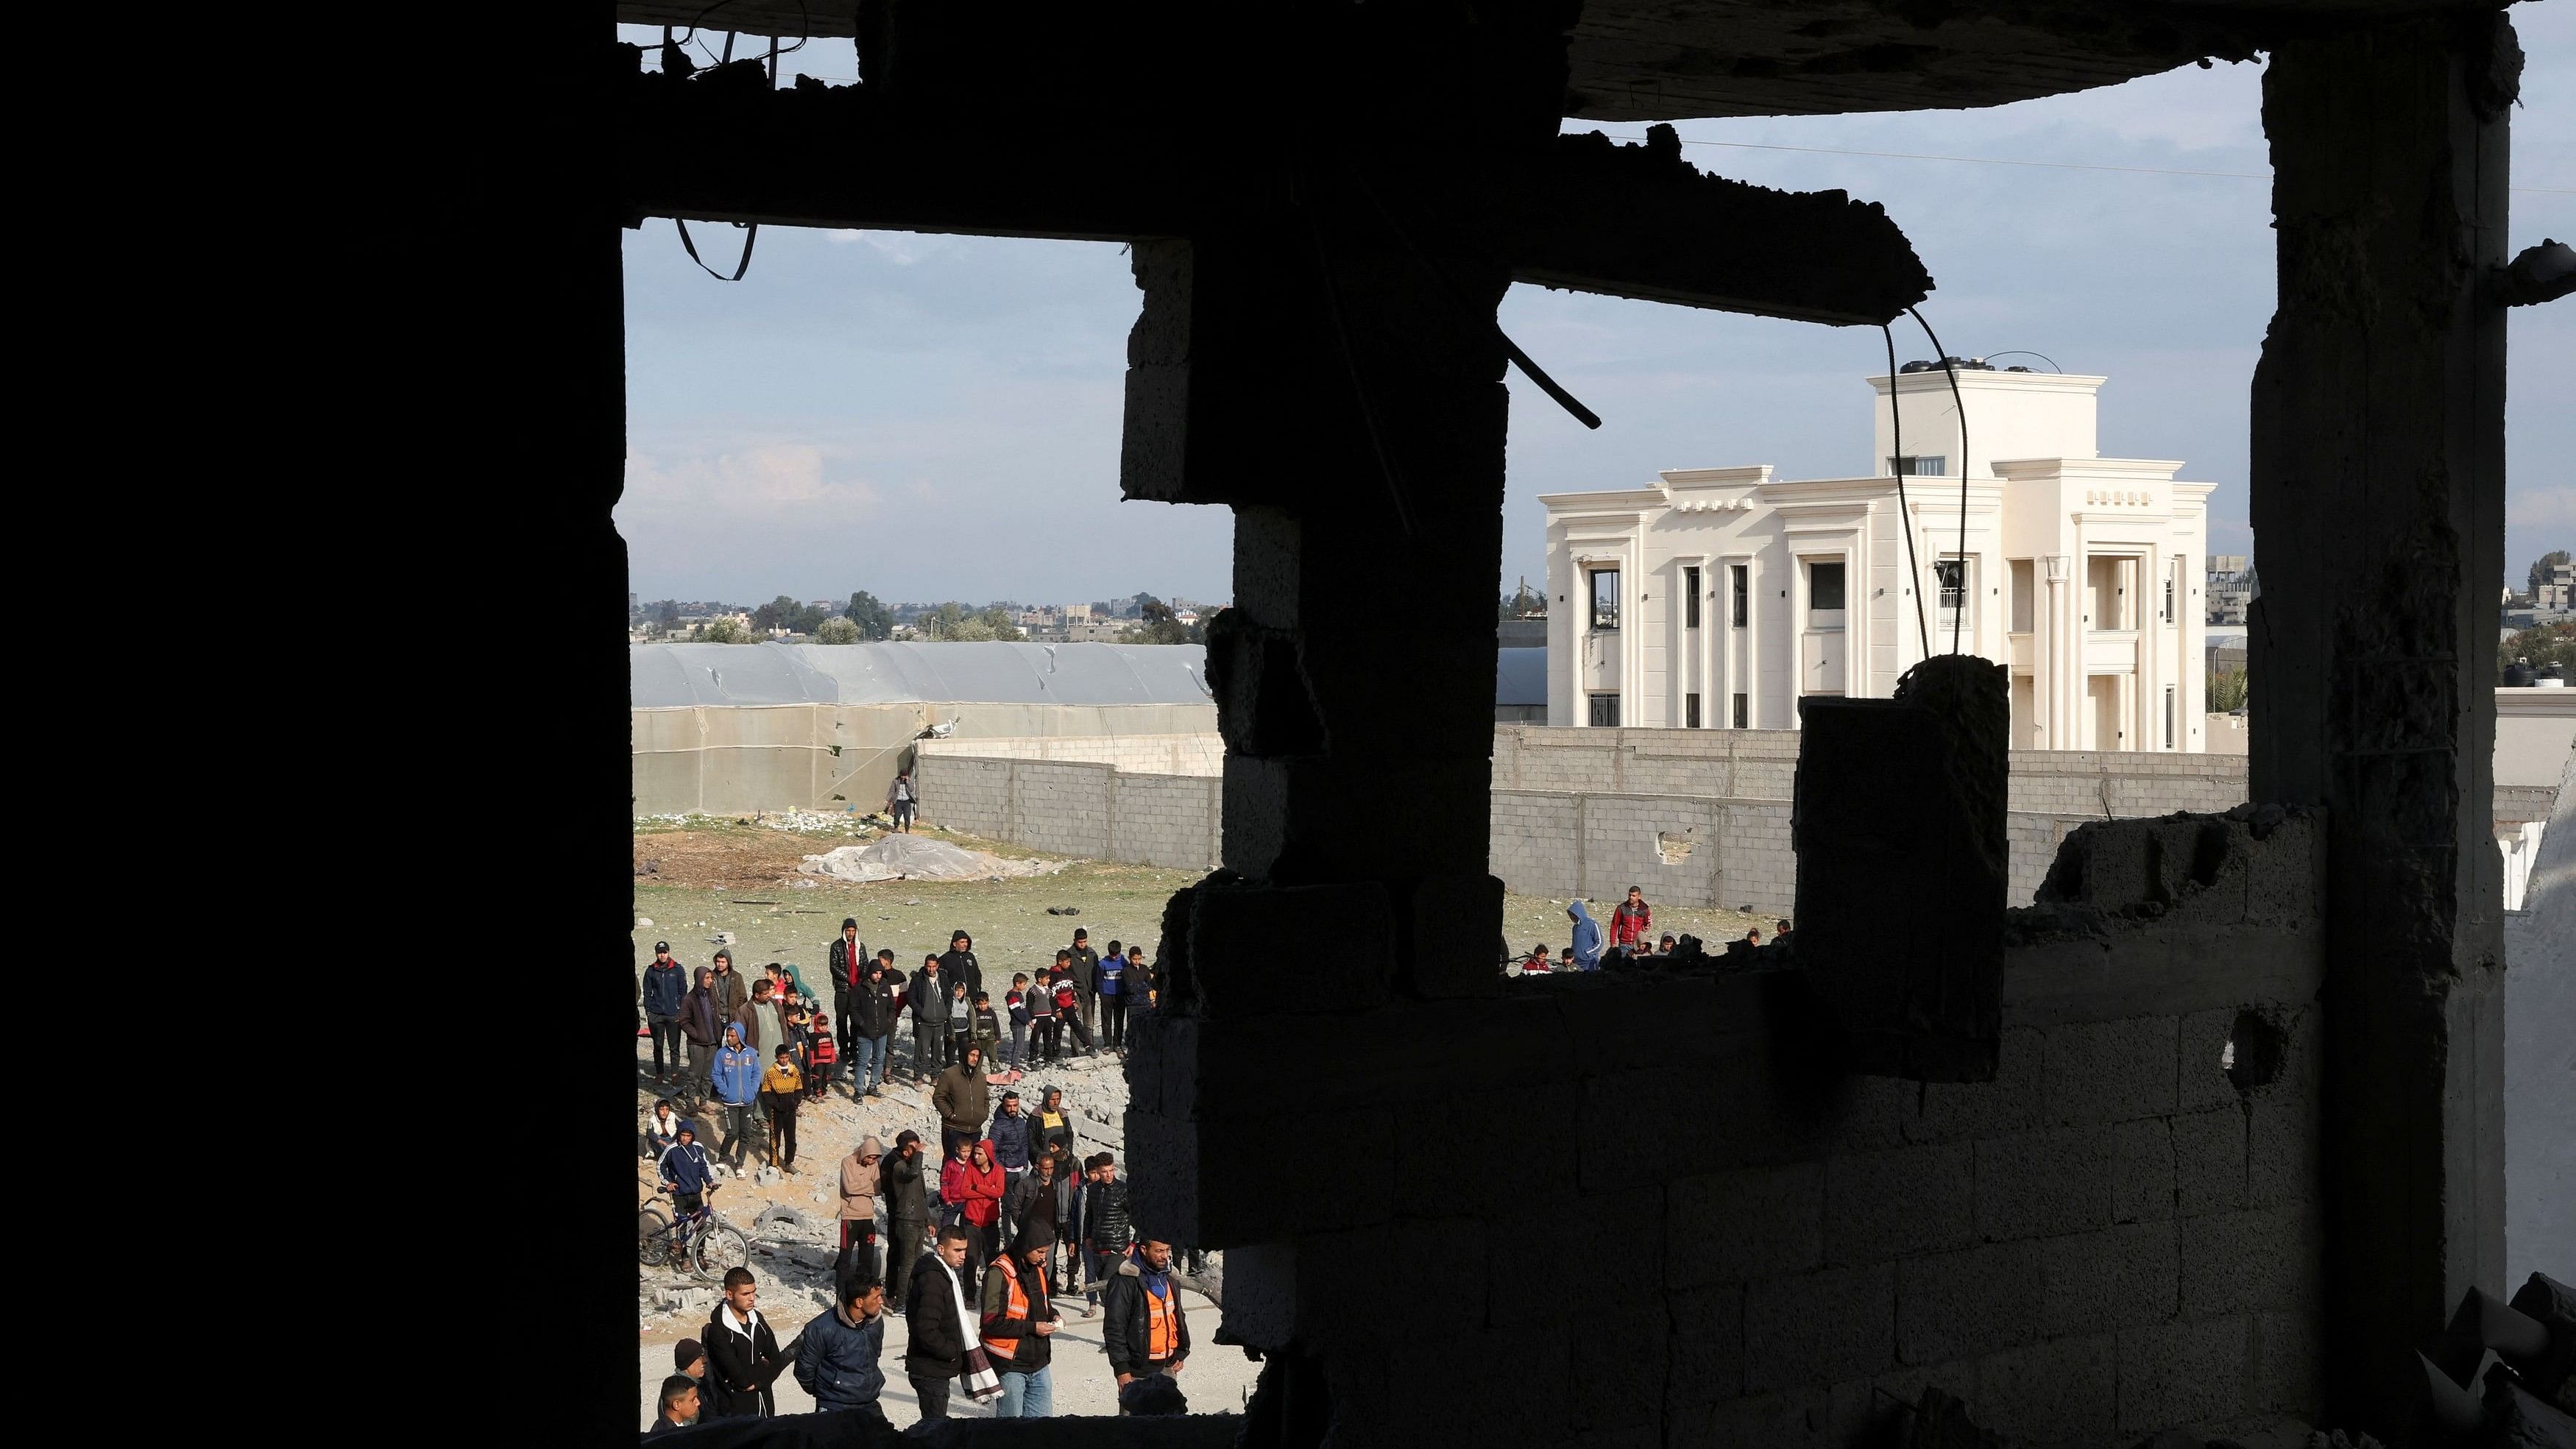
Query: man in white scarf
{"points": [[936, 1322]]}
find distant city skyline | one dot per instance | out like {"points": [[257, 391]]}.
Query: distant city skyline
{"points": [[937, 417]]}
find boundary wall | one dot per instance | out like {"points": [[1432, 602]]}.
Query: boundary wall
{"points": [[1697, 817], [2112, 1237]]}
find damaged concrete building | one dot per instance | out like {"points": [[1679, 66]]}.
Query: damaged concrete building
{"points": [[2210, 1140]]}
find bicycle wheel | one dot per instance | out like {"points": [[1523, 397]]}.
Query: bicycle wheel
{"points": [[719, 1250], [652, 1238]]}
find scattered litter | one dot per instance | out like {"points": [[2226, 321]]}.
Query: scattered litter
{"points": [[794, 822], [643, 923], [1064, 910], [721, 938], [912, 857], [755, 903]]}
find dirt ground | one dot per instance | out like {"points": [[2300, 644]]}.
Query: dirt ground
{"points": [[726, 876]]}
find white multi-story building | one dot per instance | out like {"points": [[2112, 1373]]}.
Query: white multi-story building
{"points": [[1716, 597]]}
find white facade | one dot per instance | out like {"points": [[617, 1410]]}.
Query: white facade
{"points": [[2083, 573]]}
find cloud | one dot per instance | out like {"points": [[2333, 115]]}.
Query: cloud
{"points": [[768, 478]]}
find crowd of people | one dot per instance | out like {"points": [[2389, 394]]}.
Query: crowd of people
{"points": [[1632, 926], [980, 1248]]}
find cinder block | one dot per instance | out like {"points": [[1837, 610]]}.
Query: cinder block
{"points": [[2266, 1259], [2286, 1375], [1957, 1305], [2061, 1392], [1452, 923], [1758, 1222], [1244, 937], [2209, 1161], [1707, 1354], [1446, 1140], [2284, 1140], [1217, 1183], [1913, 1200], [2111, 1071], [1618, 1378], [1817, 1328], [2041, 1184], [2110, 1279], [2191, 1372], [2142, 1171], [1944, 1111]]}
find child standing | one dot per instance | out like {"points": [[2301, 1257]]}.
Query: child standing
{"points": [[823, 1063], [1017, 1003], [780, 1089], [961, 1021], [1068, 1005], [984, 1028]]}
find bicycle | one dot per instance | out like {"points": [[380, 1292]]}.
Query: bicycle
{"points": [[701, 1242]]}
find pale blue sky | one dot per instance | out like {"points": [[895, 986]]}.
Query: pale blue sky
{"points": [[937, 417]]}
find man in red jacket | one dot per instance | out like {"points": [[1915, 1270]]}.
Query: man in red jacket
{"points": [[1632, 923]]}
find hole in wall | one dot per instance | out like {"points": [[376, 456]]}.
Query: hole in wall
{"points": [[2254, 1052], [1673, 849]]}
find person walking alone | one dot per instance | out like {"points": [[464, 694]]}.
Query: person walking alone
{"points": [[665, 990], [1020, 1321], [903, 801], [1632, 923], [907, 1203]]}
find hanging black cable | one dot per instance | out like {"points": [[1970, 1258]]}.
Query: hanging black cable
{"points": [[750, 235], [1961, 404], [1905, 514]]}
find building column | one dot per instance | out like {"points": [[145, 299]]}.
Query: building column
{"points": [[2378, 506], [2056, 622]]}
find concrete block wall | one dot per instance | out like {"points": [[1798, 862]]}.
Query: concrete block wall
{"points": [[1198, 753], [1703, 1235], [1079, 808]]}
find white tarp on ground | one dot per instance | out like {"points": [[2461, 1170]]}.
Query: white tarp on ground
{"points": [[679, 676], [914, 857]]}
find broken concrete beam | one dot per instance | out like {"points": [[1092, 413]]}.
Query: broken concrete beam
{"points": [[1639, 221], [1902, 869]]}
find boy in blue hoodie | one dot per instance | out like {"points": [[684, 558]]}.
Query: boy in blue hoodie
{"points": [[737, 1073], [1587, 938]]}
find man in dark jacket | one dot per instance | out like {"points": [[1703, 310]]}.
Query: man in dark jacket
{"points": [[872, 1019], [665, 990], [836, 1355], [1147, 1333], [1030, 1202], [732, 991], [907, 1214], [1011, 1141], [742, 1354], [1086, 979], [962, 1099], [928, 995], [702, 1022], [1106, 1231], [845, 964], [959, 964], [936, 1352]]}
